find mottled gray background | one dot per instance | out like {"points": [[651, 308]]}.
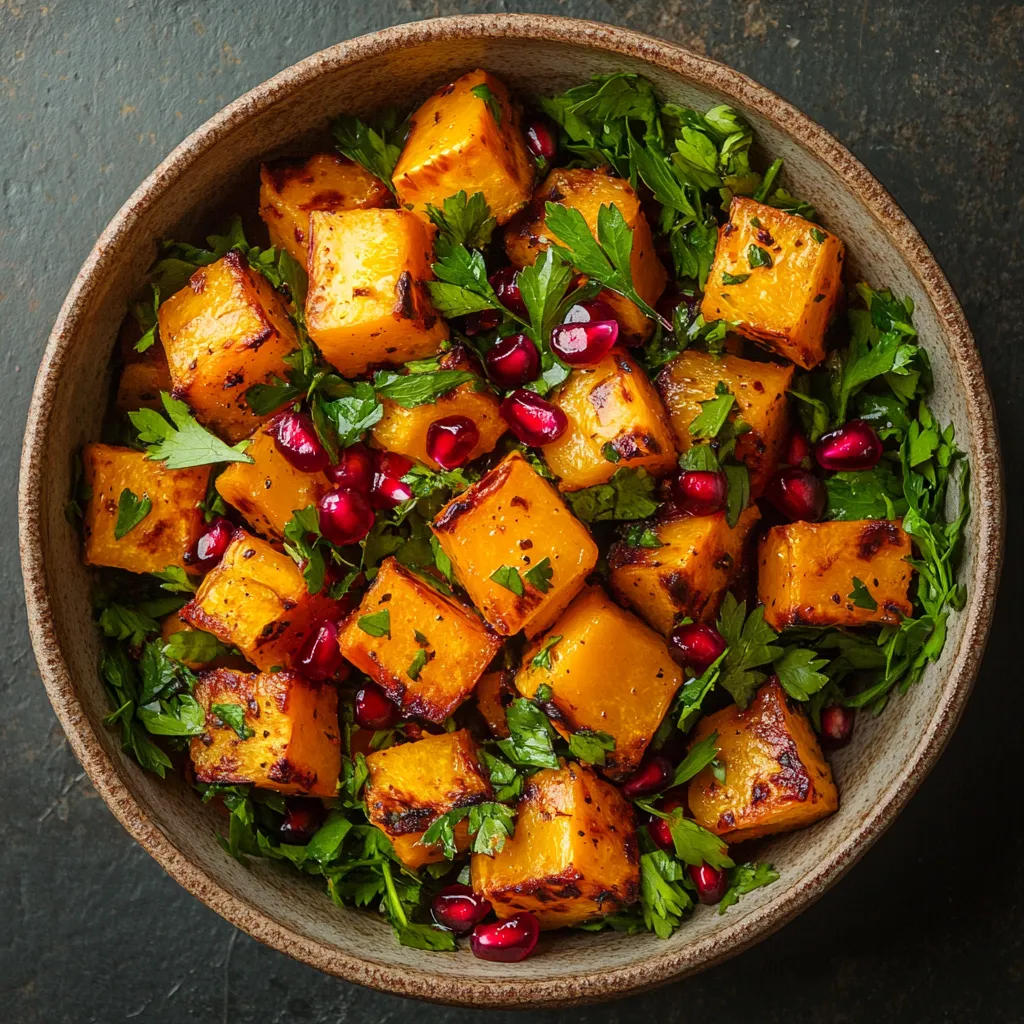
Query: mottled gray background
{"points": [[93, 94]]}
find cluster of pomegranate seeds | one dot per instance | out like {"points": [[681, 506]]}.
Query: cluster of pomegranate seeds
{"points": [[658, 829], [302, 818], [388, 489], [540, 139], [354, 469], [711, 883], [320, 657], [451, 440], [581, 344], [699, 492], [459, 909], [296, 440], [854, 446], [836, 726], [696, 646], [797, 494], [212, 544], [373, 709], [505, 283], [532, 419], [507, 941], [651, 777], [513, 361]]}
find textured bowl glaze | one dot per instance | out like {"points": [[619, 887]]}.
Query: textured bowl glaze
{"points": [[877, 774]]}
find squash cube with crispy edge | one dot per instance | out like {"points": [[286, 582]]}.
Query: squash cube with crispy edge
{"points": [[405, 430], [806, 573], [512, 520], [269, 489], [165, 535], [494, 693], [574, 856], [689, 574], [776, 778], [784, 301], [433, 651], [761, 403], [225, 331], [291, 189], [255, 599], [458, 142], [615, 419], [293, 742], [411, 785], [587, 191], [609, 673], [367, 302]]}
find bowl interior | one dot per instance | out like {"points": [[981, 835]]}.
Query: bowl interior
{"points": [[875, 774]]}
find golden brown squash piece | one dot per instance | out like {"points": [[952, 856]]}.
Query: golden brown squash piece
{"points": [[255, 599], [776, 778], [466, 140], [411, 785], [433, 648], [612, 408], [494, 693], [609, 673], [689, 574], [367, 302], [587, 191], [574, 856], [786, 302], [806, 573], [513, 519], [226, 330], [171, 624], [293, 744], [165, 535], [290, 190], [142, 380], [760, 393]]}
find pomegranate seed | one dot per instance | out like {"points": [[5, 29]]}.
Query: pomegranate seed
{"points": [[354, 469], [797, 494], [451, 440], [696, 646], [505, 283], [651, 777], [480, 322], [532, 419], [711, 882], [212, 544], [580, 344], [507, 941], [373, 709], [459, 909], [589, 312], [388, 488], [798, 450], [836, 726], [853, 446], [657, 828], [320, 657], [297, 442], [302, 818], [345, 516], [700, 492], [540, 139], [513, 361]]}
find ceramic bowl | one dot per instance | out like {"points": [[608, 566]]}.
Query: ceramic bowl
{"points": [[877, 774]]}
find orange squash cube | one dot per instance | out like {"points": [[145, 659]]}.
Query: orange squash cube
{"points": [[142, 380], [509, 524], [458, 142], [411, 785], [165, 535], [494, 693], [367, 302], [784, 301], [807, 573], [172, 624], [292, 744], [574, 856], [776, 778], [290, 190]]}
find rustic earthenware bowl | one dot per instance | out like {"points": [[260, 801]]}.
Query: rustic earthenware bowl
{"points": [[877, 774]]}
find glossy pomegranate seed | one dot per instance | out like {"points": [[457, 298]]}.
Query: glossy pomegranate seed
{"points": [[212, 544], [657, 828], [540, 139], [592, 311], [451, 440], [388, 489], [373, 710], [513, 361], [853, 446], [699, 492], [458, 908], [345, 516], [302, 818], [320, 657], [532, 419], [297, 442], [836, 726], [580, 344], [798, 450], [797, 494], [505, 283], [507, 941], [651, 777], [354, 469], [696, 646], [711, 882], [478, 323]]}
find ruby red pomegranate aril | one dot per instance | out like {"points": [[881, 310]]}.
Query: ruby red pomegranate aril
{"points": [[505, 283], [711, 883], [302, 818], [507, 941], [580, 344], [797, 494], [699, 492], [320, 657], [296, 440], [345, 516], [651, 777], [658, 829], [696, 646], [836, 726], [388, 488], [212, 544], [354, 468], [451, 440], [532, 419], [591, 311], [854, 446], [459, 909], [541, 140], [373, 710], [513, 361], [798, 450]]}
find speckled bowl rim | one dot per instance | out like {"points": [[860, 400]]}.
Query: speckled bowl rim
{"points": [[732, 937]]}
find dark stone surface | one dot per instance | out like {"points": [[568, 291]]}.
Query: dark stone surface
{"points": [[92, 95]]}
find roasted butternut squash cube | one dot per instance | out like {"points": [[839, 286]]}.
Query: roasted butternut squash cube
{"points": [[808, 574], [776, 778], [616, 419], [269, 489], [425, 650], [411, 785], [778, 278], [515, 547], [367, 302], [587, 191], [172, 624], [761, 403], [689, 574], [166, 533], [608, 673], [292, 744], [290, 190], [494, 693], [466, 137], [256, 600], [574, 856], [226, 330], [142, 380]]}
